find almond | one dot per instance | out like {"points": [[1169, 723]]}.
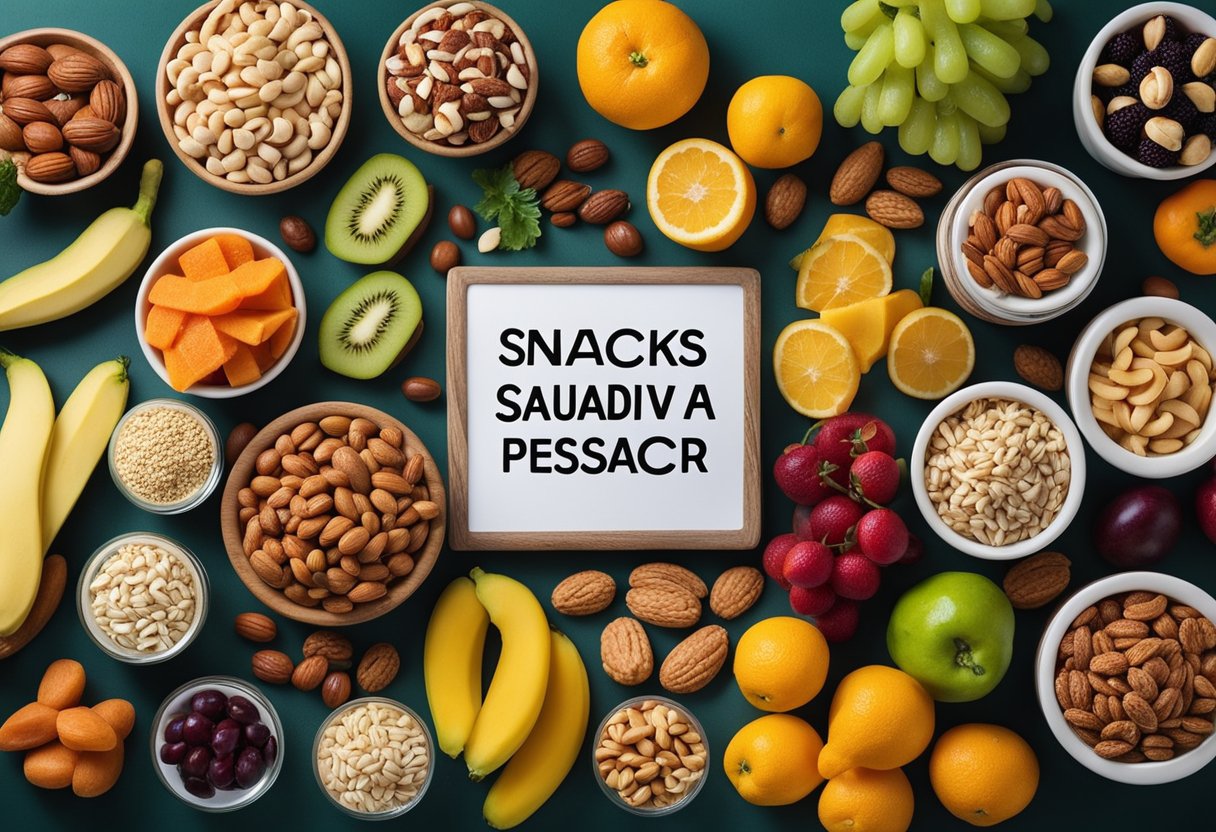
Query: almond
{"points": [[914, 182], [378, 667], [119, 713], [96, 772], [584, 593], [82, 729], [534, 169], [694, 662], [37, 87], [367, 591], [857, 174], [310, 673], [335, 690], [587, 155], [894, 210], [50, 766], [664, 604], [785, 201], [564, 195], [108, 102], [625, 652], [77, 72], [62, 684], [602, 207], [1037, 580], [25, 110], [254, 626], [272, 666], [29, 727], [649, 574], [26, 59], [41, 137], [10, 135], [95, 134], [735, 591], [1040, 368]]}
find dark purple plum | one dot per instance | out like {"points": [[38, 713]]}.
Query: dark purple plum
{"points": [[210, 703], [242, 710], [173, 729], [256, 734], [270, 751], [221, 772], [171, 753], [250, 766], [199, 787], [226, 737], [195, 763], [1139, 527], [197, 730]]}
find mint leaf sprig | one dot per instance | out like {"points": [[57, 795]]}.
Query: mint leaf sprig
{"points": [[514, 209]]}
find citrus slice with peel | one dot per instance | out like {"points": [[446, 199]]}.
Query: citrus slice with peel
{"points": [[841, 270], [700, 194], [876, 234], [931, 353], [816, 369]]}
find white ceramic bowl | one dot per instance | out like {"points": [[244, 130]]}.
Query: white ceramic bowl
{"points": [[998, 390], [1076, 386], [1140, 774], [954, 229], [1088, 131], [166, 263]]}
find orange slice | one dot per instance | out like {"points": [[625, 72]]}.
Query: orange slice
{"points": [[931, 354], [841, 270], [816, 369], [700, 194], [874, 233]]}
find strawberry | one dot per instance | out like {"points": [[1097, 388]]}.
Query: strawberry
{"points": [[774, 558], [1205, 506], [874, 477], [851, 434], [831, 520], [840, 622], [808, 564], [815, 601], [855, 576], [882, 536], [915, 550], [797, 474]]}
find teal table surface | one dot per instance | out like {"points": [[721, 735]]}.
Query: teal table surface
{"points": [[771, 36]]}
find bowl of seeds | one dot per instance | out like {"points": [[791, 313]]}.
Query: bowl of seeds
{"points": [[998, 470], [164, 456]]}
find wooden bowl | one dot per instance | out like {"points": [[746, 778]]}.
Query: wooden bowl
{"points": [[90, 46], [469, 149], [243, 471], [194, 21]]}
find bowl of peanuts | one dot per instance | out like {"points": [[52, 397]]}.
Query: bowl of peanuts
{"points": [[254, 97], [998, 470], [1139, 382], [1126, 677]]}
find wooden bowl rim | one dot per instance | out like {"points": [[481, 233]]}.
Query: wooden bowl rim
{"points": [[337, 48], [92, 46], [240, 475], [464, 151]]}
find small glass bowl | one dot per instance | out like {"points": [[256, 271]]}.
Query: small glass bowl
{"points": [[84, 599], [613, 797], [178, 702], [209, 484], [430, 768]]}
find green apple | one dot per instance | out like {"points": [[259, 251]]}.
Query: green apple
{"points": [[954, 634]]}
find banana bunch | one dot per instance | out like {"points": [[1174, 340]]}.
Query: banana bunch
{"points": [[534, 714], [939, 70], [47, 461]]}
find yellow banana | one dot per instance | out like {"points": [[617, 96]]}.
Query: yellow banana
{"points": [[82, 431], [451, 663], [517, 691], [100, 259], [544, 760], [24, 438]]}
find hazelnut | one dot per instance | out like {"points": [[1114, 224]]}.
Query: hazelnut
{"points": [[445, 256], [297, 234], [622, 239], [462, 222], [238, 438]]}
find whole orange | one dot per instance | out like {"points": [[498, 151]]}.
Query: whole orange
{"points": [[774, 121], [781, 663], [642, 63], [983, 774], [771, 761]]}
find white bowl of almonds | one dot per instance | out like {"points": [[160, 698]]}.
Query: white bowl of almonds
{"points": [[998, 470], [1139, 382], [1126, 677], [254, 96]]}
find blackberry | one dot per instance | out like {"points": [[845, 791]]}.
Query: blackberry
{"points": [[1123, 126], [1154, 155], [1192, 42], [1207, 124], [1182, 110], [1172, 32], [1122, 49], [1169, 54]]}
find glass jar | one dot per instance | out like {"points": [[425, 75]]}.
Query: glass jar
{"points": [[204, 490]]}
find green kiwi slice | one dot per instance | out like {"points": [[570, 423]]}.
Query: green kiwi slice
{"points": [[376, 216], [371, 326]]}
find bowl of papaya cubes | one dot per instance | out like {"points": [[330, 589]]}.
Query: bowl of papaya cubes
{"points": [[220, 313]]}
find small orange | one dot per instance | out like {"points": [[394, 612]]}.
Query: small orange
{"points": [[983, 774], [642, 63], [771, 761], [866, 800], [780, 663], [774, 121]]}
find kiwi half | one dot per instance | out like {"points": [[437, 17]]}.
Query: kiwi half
{"points": [[371, 326], [374, 218]]}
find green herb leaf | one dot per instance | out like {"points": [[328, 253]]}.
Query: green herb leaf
{"points": [[926, 286], [515, 210], [10, 191]]}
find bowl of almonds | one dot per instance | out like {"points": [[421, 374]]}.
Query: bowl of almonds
{"points": [[1126, 677], [333, 514], [68, 109], [457, 78], [1139, 382]]}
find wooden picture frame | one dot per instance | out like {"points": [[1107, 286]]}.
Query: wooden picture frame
{"points": [[460, 537]]}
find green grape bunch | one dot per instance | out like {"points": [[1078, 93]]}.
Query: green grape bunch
{"points": [[939, 70]]}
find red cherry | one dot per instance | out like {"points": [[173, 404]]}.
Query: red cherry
{"points": [[855, 576], [808, 564], [774, 558], [882, 536], [815, 601], [832, 519]]}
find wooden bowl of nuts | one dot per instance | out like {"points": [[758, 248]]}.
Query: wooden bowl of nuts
{"points": [[333, 514], [69, 109], [458, 78], [230, 102]]}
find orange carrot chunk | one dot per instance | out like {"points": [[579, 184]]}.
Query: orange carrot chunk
{"points": [[163, 325], [204, 261]]}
